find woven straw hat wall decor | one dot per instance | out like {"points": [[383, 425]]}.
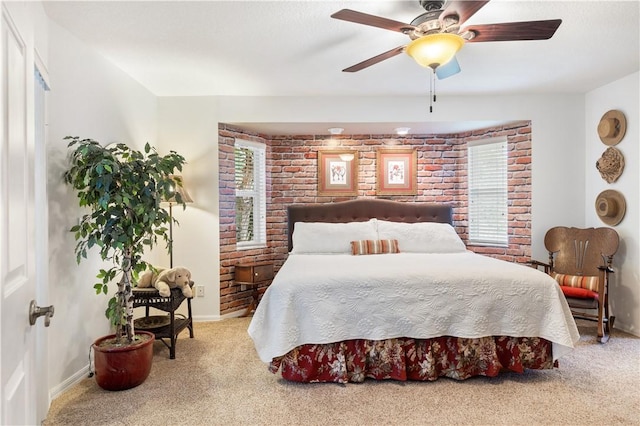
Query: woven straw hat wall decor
{"points": [[612, 127], [611, 207], [610, 204]]}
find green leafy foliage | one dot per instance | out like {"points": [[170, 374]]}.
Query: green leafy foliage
{"points": [[122, 188]]}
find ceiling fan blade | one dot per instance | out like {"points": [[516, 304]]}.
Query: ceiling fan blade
{"points": [[372, 20], [447, 70], [463, 8], [530, 30], [372, 61]]}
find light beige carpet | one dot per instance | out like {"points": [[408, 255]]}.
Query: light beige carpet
{"points": [[218, 379]]}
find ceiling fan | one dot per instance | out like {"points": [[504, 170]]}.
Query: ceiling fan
{"points": [[436, 35]]}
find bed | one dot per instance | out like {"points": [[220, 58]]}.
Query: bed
{"points": [[377, 289]]}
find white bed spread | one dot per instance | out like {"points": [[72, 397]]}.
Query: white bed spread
{"points": [[330, 298]]}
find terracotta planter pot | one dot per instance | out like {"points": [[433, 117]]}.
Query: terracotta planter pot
{"points": [[120, 368]]}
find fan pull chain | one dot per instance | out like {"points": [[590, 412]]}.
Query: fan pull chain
{"points": [[432, 89], [433, 75], [431, 84]]}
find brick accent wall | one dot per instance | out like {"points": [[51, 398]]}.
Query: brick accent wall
{"points": [[442, 178], [232, 298]]}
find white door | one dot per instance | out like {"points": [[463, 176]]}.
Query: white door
{"points": [[20, 387]]}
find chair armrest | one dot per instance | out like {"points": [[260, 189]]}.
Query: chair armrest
{"points": [[537, 264], [608, 269]]}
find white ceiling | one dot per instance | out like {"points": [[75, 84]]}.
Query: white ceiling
{"points": [[294, 48]]}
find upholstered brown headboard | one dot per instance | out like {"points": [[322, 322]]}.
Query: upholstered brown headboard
{"points": [[361, 210]]}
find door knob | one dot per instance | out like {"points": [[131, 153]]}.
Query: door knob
{"points": [[36, 311]]}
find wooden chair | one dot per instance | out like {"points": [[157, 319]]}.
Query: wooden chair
{"points": [[580, 261]]}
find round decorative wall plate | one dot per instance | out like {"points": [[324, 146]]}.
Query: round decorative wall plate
{"points": [[610, 164]]}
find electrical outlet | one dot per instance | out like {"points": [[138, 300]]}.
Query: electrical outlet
{"points": [[200, 291]]}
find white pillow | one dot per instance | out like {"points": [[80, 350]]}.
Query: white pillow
{"points": [[330, 238], [422, 237]]}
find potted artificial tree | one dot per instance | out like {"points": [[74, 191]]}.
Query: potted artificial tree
{"points": [[123, 189]]}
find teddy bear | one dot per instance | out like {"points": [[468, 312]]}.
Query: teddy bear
{"points": [[166, 279]]}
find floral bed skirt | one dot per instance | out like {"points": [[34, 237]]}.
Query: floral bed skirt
{"points": [[413, 359]]}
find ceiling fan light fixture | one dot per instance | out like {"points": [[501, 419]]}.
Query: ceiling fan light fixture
{"points": [[433, 50], [402, 131], [336, 130]]}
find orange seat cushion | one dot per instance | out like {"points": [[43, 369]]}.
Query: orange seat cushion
{"points": [[578, 292]]}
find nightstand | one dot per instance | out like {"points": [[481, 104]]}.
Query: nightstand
{"points": [[252, 274]]}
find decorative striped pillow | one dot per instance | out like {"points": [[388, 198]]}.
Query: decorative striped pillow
{"points": [[578, 281], [374, 247]]}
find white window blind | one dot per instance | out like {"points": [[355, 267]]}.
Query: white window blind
{"points": [[487, 186], [250, 183]]}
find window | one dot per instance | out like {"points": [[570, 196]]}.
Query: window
{"points": [[487, 163], [251, 211]]}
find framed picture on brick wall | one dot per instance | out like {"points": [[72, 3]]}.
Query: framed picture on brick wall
{"points": [[337, 173], [396, 172]]}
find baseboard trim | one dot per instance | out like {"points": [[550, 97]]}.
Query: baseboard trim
{"points": [[234, 314], [619, 325], [76, 378], [206, 318]]}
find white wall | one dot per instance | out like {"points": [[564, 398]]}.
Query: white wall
{"points": [[622, 95], [89, 98], [189, 126]]}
